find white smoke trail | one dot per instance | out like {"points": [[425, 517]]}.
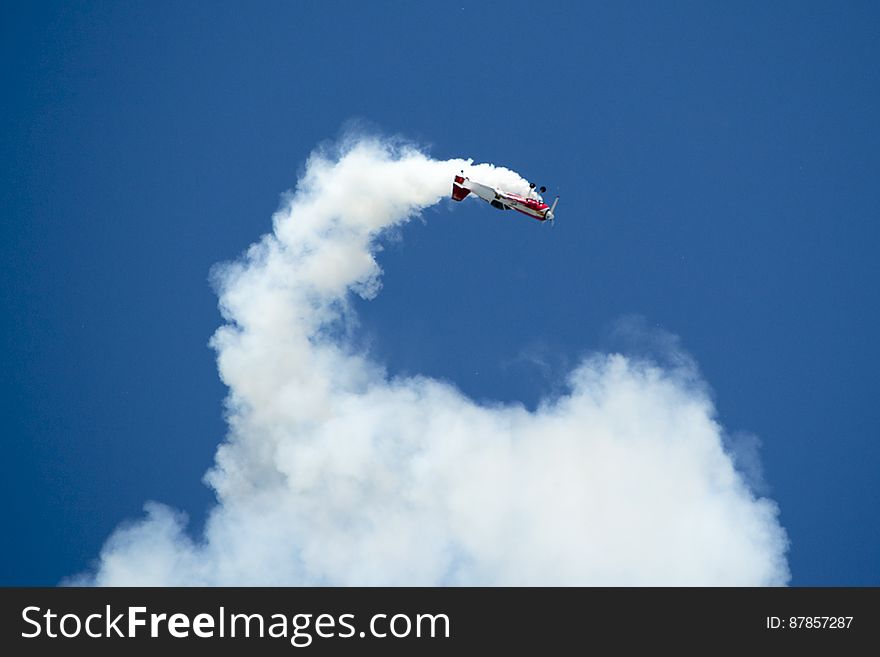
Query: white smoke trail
{"points": [[334, 473]]}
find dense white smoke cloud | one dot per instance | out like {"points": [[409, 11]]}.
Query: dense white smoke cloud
{"points": [[334, 473]]}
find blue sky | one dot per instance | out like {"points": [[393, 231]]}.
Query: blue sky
{"points": [[717, 164]]}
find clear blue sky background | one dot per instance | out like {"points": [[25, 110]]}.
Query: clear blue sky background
{"points": [[718, 165]]}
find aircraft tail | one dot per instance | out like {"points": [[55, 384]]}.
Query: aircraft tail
{"points": [[459, 191]]}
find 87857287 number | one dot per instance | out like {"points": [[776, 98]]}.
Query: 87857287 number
{"points": [[820, 622]]}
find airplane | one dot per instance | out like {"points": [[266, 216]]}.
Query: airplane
{"points": [[533, 205]]}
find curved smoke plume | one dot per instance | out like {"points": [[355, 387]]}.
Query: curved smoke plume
{"points": [[335, 473]]}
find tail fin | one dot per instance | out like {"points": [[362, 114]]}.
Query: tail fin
{"points": [[458, 189]]}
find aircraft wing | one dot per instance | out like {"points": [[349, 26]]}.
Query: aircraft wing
{"points": [[483, 191]]}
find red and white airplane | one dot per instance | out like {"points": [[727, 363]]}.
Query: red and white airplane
{"points": [[532, 205]]}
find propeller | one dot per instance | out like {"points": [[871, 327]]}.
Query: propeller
{"points": [[549, 215]]}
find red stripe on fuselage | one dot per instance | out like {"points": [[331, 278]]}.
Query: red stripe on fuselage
{"points": [[528, 206]]}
